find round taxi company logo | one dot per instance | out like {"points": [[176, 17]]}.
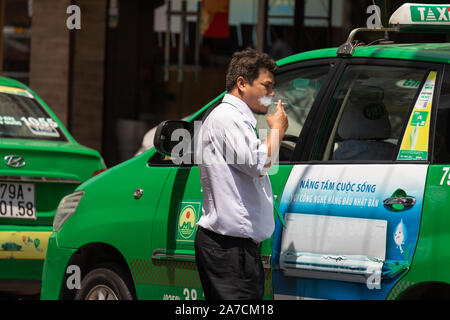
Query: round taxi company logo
{"points": [[186, 224]]}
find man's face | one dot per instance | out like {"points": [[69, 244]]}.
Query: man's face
{"points": [[262, 86]]}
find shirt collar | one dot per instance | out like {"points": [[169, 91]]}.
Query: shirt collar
{"points": [[241, 106]]}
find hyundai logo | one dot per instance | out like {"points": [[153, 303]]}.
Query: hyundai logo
{"points": [[14, 161]]}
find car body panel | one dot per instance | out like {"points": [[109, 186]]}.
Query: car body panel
{"points": [[432, 255], [55, 270], [430, 52]]}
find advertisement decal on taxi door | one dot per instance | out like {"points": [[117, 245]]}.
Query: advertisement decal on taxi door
{"points": [[350, 231]]}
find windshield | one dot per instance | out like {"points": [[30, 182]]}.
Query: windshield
{"points": [[22, 117]]}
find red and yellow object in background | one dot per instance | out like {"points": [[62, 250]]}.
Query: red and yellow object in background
{"points": [[215, 18]]}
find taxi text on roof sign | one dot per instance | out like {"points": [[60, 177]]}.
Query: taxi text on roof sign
{"points": [[430, 13], [421, 14]]}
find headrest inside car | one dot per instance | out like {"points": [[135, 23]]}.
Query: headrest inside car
{"points": [[365, 121]]}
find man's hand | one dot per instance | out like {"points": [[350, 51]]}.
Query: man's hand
{"points": [[278, 124], [278, 120]]}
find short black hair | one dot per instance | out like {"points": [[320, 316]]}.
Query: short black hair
{"points": [[246, 63]]}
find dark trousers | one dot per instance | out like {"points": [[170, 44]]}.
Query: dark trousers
{"points": [[230, 268]]}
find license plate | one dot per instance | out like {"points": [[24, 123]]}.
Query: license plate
{"points": [[17, 200]]}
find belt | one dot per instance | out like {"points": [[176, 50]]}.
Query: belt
{"points": [[220, 237]]}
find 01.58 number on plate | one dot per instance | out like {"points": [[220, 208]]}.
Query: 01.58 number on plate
{"points": [[17, 200]]}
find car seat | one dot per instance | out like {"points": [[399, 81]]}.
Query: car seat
{"points": [[362, 128]]}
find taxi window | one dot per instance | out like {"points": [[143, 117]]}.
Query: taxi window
{"points": [[298, 91], [372, 103], [22, 117], [442, 134]]}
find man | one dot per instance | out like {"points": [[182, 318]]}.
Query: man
{"points": [[237, 196]]}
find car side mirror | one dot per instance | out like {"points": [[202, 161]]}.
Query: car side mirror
{"points": [[174, 138]]}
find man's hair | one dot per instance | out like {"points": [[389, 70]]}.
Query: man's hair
{"points": [[246, 63]]}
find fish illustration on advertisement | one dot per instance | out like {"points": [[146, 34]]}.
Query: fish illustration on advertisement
{"points": [[400, 235]]}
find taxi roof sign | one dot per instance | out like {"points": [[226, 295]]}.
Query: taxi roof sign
{"points": [[410, 17], [422, 17]]}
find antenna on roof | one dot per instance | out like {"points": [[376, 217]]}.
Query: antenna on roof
{"points": [[348, 48]]}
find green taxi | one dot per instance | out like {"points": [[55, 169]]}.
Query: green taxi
{"points": [[361, 189], [40, 163]]}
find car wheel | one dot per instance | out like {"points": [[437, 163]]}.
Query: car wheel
{"points": [[105, 283]]}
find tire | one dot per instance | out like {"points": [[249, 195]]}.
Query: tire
{"points": [[105, 283]]}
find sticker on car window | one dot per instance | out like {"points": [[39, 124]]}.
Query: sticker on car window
{"points": [[9, 121], [16, 91], [41, 126], [408, 84], [415, 140]]}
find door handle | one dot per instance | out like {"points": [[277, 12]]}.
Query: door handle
{"points": [[187, 256], [181, 255], [399, 203]]}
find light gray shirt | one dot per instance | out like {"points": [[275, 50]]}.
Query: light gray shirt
{"points": [[237, 195]]}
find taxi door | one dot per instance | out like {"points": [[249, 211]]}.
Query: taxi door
{"points": [[172, 272], [353, 214]]}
